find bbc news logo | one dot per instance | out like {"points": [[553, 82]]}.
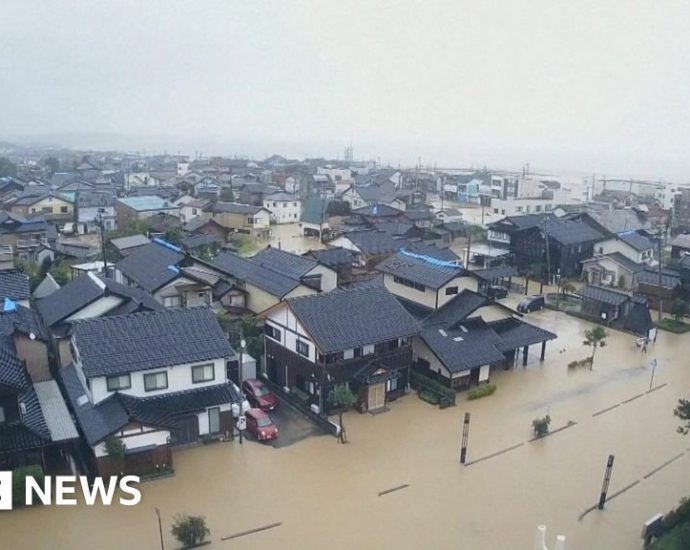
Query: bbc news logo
{"points": [[62, 490]]}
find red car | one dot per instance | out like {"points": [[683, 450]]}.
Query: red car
{"points": [[260, 425], [259, 395]]}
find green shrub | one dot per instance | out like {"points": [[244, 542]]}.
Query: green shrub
{"points": [[586, 362], [429, 397], [19, 481], [541, 426], [424, 383], [672, 325], [681, 514], [481, 391], [190, 530]]}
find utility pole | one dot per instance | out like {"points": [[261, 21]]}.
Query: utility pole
{"points": [[465, 437], [239, 382], [659, 305], [607, 480], [105, 261], [548, 254], [160, 527], [469, 246]]}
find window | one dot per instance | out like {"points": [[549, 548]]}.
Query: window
{"points": [[171, 301], [203, 373], [2, 415], [156, 381], [537, 208], [294, 204], [275, 204], [63, 209], [303, 348], [114, 383], [503, 211], [601, 250], [334, 357], [284, 205], [408, 283], [357, 352], [250, 221], [214, 420], [451, 290], [495, 210], [392, 384], [272, 332], [518, 208], [47, 210]]}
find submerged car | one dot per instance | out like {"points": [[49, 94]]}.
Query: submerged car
{"points": [[531, 303], [259, 395], [260, 425]]}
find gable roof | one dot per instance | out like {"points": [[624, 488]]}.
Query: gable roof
{"points": [[420, 269], [147, 202], [636, 240], [271, 281], [373, 243], [233, 208], [334, 258], [649, 276], [14, 284], [290, 264], [620, 259], [350, 318], [149, 266], [377, 210], [604, 295], [682, 241], [85, 289], [149, 340], [124, 243]]}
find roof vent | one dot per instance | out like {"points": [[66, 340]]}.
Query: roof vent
{"points": [[82, 400], [458, 339], [463, 328], [22, 408], [442, 332]]}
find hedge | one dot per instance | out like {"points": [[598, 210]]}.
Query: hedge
{"points": [[19, 482], [481, 391], [424, 383], [671, 325]]}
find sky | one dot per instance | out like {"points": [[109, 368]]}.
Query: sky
{"points": [[594, 87]]}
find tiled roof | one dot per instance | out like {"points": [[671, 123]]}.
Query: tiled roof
{"points": [[377, 210], [290, 264], [344, 319], [460, 350], [149, 265], [148, 340], [619, 258], [22, 319], [460, 307], [423, 270], [618, 220], [147, 202], [123, 243], [12, 373], [68, 299], [569, 232], [266, 279], [395, 229], [374, 243], [650, 276], [638, 241], [418, 215], [431, 250], [333, 257], [14, 284], [682, 241], [57, 417], [492, 273], [515, 333], [605, 295], [233, 208]]}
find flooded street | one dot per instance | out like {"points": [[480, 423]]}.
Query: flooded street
{"points": [[288, 237], [327, 495]]}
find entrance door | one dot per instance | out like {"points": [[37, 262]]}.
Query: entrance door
{"points": [[377, 396], [188, 430]]}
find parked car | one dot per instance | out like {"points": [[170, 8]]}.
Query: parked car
{"points": [[497, 292], [260, 425], [259, 395], [531, 303]]}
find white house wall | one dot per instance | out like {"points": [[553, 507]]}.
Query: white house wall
{"points": [[491, 313], [421, 351], [291, 330], [463, 283], [329, 278], [138, 441], [616, 245], [96, 309], [284, 211], [179, 379]]}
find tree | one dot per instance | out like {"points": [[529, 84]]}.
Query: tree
{"points": [[227, 194], [52, 164], [683, 412], [679, 309], [342, 397], [60, 272], [595, 337], [115, 447], [253, 334], [224, 321], [567, 288], [190, 530], [174, 235], [7, 167]]}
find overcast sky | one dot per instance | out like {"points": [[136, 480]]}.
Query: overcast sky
{"points": [[590, 86]]}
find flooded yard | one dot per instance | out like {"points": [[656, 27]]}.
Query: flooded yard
{"points": [[326, 495]]}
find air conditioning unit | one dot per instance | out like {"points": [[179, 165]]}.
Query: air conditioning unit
{"points": [[315, 409]]}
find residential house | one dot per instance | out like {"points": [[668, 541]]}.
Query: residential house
{"points": [[370, 247], [207, 227], [634, 245], [252, 220], [360, 336], [253, 192], [88, 297], [130, 209], [616, 308], [124, 246], [25, 236], [208, 188], [193, 209], [35, 424], [613, 269], [654, 284], [14, 285], [93, 208], [448, 215], [680, 245], [152, 380], [284, 207], [163, 270], [50, 206], [314, 218], [308, 271], [339, 260], [373, 213]]}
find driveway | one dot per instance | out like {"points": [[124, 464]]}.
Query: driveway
{"points": [[292, 426]]}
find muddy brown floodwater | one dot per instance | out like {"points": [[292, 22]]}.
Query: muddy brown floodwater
{"points": [[288, 237], [326, 495]]}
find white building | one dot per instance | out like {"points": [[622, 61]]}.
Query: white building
{"points": [[284, 207]]}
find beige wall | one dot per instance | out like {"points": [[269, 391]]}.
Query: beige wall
{"points": [[428, 297], [54, 204], [35, 354], [491, 313]]}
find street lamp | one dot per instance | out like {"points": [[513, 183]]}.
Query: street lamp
{"points": [[99, 220]]}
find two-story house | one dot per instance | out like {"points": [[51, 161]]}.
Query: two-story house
{"points": [[152, 380], [284, 207], [25, 236], [242, 218], [359, 336]]}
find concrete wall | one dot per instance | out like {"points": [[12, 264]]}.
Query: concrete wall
{"points": [[135, 439]]}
